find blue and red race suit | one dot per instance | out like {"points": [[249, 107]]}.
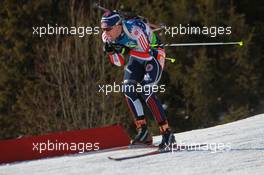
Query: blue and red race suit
{"points": [[144, 67]]}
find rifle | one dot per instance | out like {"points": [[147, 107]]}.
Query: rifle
{"points": [[131, 15]]}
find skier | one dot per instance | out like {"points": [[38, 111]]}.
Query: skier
{"points": [[144, 67]]}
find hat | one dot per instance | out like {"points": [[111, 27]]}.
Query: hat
{"points": [[110, 19]]}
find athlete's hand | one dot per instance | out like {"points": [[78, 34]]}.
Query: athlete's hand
{"points": [[108, 48]]}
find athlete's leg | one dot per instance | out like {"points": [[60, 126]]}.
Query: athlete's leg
{"points": [[152, 76], [134, 73]]}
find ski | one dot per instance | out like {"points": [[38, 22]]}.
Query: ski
{"points": [[155, 152], [134, 146]]}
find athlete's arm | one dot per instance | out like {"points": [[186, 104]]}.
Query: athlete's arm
{"points": [[115, 58]]}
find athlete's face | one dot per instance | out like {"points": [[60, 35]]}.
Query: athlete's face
{"points": [[113, 32]]}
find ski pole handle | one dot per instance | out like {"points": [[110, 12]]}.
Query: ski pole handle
{"points": [[172, 60]]}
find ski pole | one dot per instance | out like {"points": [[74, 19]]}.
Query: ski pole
{"points": [[240, 43]]}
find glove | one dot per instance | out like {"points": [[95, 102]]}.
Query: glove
{"points": [[108, 48]]}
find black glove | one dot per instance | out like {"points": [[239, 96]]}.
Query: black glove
{"points": [[108, 48]]}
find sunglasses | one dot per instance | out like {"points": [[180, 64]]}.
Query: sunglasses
{"points": [[107, 29]]}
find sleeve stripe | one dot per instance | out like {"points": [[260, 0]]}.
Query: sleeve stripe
{"points": [[145, 42], [142, 44], [116, 59], [142, 40]]}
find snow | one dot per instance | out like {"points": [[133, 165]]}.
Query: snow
{"points": [[243, 154]]}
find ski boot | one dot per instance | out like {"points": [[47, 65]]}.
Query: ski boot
{"points": [[143, 136], [168, 138]]}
